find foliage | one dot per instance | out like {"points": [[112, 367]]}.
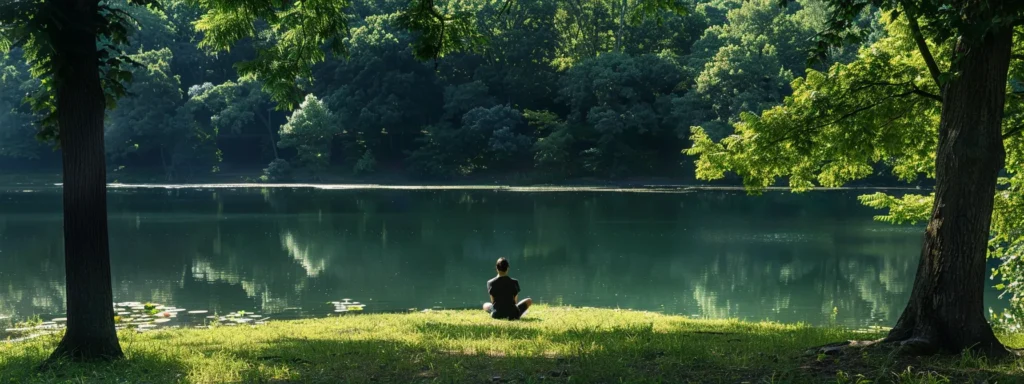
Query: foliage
{"points": [[17, 121], [909, 208], [367, 164], [883, 108], [143, 123], [290, 37], [836, 126], [493, 139], [616, 103], [34, 28], [278, 171], [662, 71], [311, 130], [382, 93], [745, 64]]}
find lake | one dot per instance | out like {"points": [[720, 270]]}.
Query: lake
{"points": [[288, 252]]}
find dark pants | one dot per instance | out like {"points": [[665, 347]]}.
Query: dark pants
{"points": [[521, 308]]}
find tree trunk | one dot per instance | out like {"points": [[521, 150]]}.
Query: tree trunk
{"points": [[90, 331], [946, 309], [168, 169], [619, 35], [270, 132]]}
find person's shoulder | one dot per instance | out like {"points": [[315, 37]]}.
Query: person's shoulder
{"points": [[493, 279]]}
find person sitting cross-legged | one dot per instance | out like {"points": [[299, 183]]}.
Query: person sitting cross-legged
{"points": [[504, 292]]}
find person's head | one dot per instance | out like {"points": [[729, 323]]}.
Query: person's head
{"points": [[502, 266]]}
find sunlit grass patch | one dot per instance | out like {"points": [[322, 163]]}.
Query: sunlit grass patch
{"points": [[557, 344]]}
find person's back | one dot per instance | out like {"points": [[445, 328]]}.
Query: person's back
{"points": [[504, 292]]}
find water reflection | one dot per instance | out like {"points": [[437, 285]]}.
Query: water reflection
{"points": [[710, 254]]}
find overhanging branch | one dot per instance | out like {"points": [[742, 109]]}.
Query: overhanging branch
{"points": [[922, 45], [914, 89], [929, 95], [847, 115]]}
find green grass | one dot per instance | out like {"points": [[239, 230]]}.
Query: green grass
{"points": [[555, 344]]}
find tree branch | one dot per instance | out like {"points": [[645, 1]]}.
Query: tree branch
{"points": [[841, 118], [914, 88], [1013, 131], [927, 94], [922, 45]]}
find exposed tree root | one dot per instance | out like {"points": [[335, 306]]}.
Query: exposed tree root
{"points": [[914, 346]]}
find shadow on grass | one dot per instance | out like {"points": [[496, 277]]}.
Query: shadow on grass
{"points": [[461, 353], [488, 352], [445, 331], [140, 367]]}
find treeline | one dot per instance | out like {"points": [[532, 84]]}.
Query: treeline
{"points": [[556, 89]]}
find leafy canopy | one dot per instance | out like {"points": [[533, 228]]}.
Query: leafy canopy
{"points": [[879, 113]]}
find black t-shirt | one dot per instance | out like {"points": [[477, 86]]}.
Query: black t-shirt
{"points": [[504, 290]]}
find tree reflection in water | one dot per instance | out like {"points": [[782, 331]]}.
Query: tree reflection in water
{"points": [[712, 254]]}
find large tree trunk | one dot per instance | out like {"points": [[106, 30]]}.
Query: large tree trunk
{"points": [[90, 331], [946, 309]]}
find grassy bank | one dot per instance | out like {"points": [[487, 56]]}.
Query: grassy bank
{"points": [[555, 344]]}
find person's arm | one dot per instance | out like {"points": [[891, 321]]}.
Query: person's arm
{"points": [[489, 293]]}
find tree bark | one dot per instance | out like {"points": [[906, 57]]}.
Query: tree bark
{"points": [[946, 309], [80, 101]]}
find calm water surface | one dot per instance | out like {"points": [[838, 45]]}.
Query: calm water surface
{"points": [[289, 252]]}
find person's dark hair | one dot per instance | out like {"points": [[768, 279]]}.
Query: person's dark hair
{"points": [[502, 264]]}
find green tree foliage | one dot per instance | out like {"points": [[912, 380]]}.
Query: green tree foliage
{"points": [[837, 125], [144, 124], [311, 130], [521, 54], [289, 38], [616, 106], [17, 121], [488, 139], [381, 92], [891, 109], [744, 64], [515, 64]]}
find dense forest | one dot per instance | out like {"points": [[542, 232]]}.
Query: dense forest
{"points": [[555, 90]]}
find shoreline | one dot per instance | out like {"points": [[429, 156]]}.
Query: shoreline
{"points": [[640, 188]]}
